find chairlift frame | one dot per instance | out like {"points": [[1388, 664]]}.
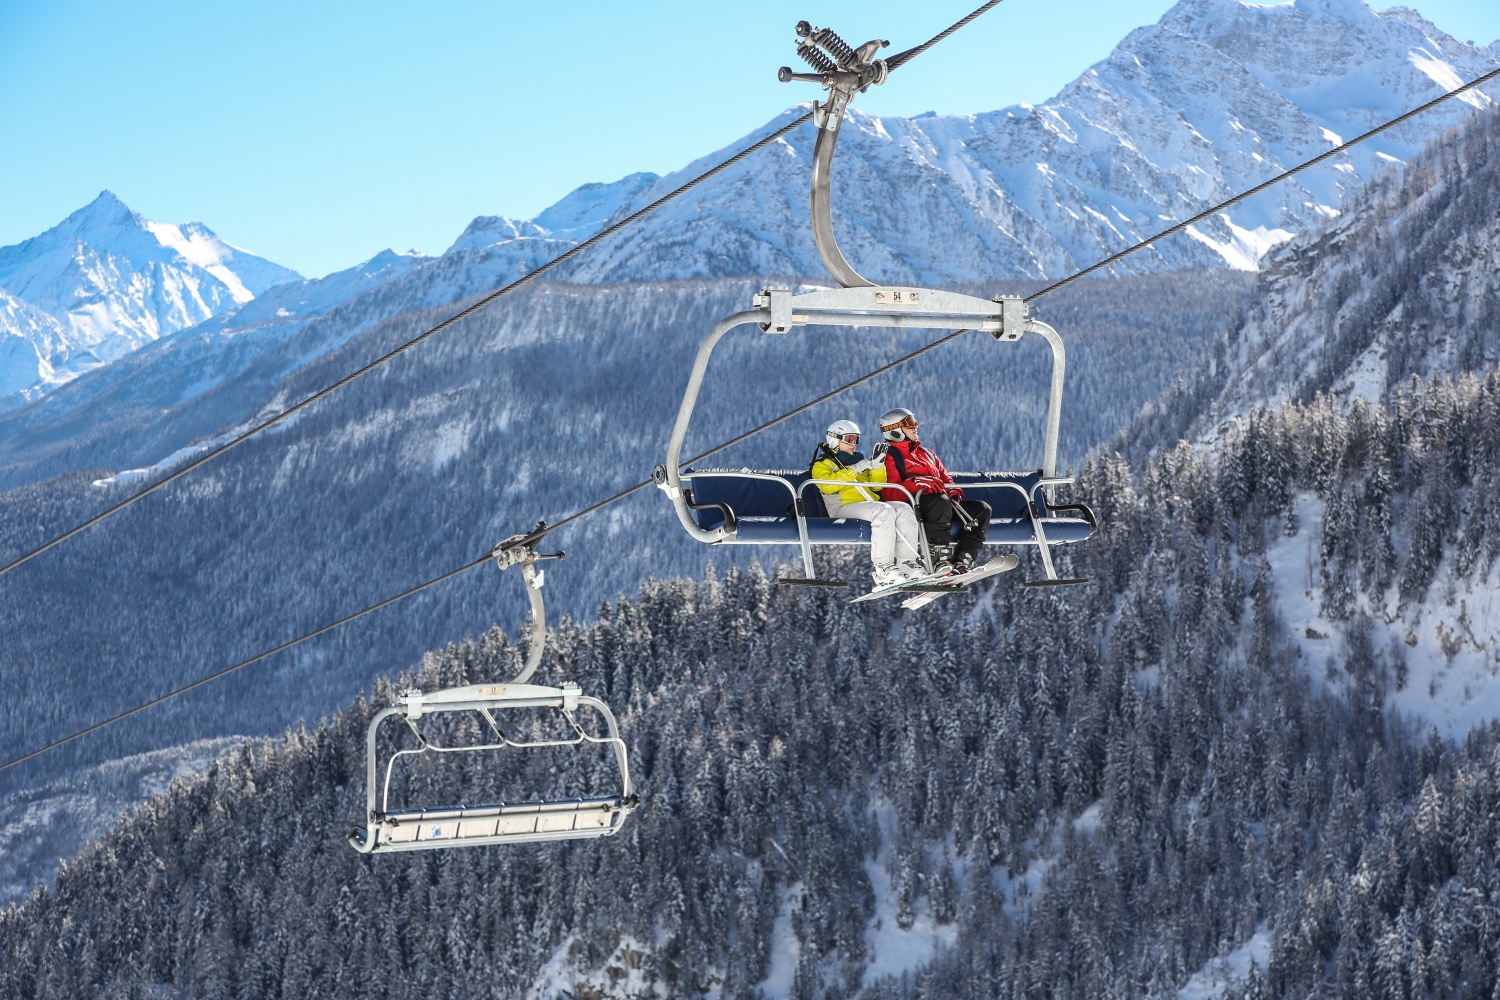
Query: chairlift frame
{"points": [[388, 830], [860, 303]]}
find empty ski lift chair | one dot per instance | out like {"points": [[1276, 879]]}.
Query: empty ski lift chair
{"points": [[728, 507], [501, 822]]}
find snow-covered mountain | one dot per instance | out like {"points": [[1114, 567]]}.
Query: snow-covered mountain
{"points": [[1404, 286], [1400, 286], [582, 213], [105, 281], [198, 381], [1215, 98], [1359, 549], [201, 380]]}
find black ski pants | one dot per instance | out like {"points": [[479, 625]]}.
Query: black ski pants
{"points": [[935, 511]]}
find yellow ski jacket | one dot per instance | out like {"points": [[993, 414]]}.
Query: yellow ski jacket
{"points": [[837, 467]]}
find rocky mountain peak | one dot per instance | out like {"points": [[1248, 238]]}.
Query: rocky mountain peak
{"points": [[106, 280]]}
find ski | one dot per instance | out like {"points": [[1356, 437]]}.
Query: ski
{"points": [[957, 584], [904, 585]]}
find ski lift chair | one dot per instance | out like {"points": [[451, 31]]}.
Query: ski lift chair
{"points": [[743, 507], [503, 821]]}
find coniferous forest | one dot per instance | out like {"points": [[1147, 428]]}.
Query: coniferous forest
{"points": [[1093, 791]]}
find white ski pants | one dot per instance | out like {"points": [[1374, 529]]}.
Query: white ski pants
{"points": [[893, 530]]}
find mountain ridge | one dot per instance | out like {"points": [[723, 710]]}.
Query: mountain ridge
{"points": [[111, 281], [1177, 118]]}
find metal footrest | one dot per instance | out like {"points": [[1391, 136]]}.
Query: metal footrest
{"points": [[1054, 583], [461, 826], [794, 581]]}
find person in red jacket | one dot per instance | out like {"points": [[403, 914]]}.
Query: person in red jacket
{"points": [[939, 500]]}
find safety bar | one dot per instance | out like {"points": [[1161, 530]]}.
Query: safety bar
{"points": [[802, 515]]}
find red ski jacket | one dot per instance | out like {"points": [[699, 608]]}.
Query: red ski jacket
{"points": [[918, 469]]}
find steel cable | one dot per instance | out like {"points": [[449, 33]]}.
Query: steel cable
{"points": [[896, 61], [245, 663]]}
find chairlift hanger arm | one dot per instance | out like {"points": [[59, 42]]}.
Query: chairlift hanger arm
{"points": [[521, 550], [843, 71]]}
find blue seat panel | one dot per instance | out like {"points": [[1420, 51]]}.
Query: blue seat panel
{"points": [[1018, 531], [765, 513], [847, 531]]}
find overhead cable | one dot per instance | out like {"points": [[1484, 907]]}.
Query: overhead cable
{"points": [[893, 63], [217, 675], [529, 539], [896, 61]]}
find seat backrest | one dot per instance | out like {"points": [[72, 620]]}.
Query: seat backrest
{"points": [[812, 496], [1003, 500], [753, 497], [746, 496]]}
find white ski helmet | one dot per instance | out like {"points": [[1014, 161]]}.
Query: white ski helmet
{"points": [[836, 432], [893, 422]]}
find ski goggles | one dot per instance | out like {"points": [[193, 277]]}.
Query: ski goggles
{"points": [[910, 422], [850, 438]]}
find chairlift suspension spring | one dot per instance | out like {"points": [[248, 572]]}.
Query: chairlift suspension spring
{"points": [[835, 46], [815, 57], [842, 52]]}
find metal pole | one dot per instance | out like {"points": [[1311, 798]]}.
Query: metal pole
{"points": [[822, 196], [1054, 403]]}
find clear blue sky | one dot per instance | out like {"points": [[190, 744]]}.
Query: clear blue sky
{"points": [[317, 134]]}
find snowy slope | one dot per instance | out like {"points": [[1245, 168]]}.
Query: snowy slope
{"points": [[389, 449], [1401, 286], [108, 281], [28, 336], [1382, 330]]}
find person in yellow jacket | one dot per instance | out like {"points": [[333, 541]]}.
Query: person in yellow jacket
{"points": [[893, 526]]}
